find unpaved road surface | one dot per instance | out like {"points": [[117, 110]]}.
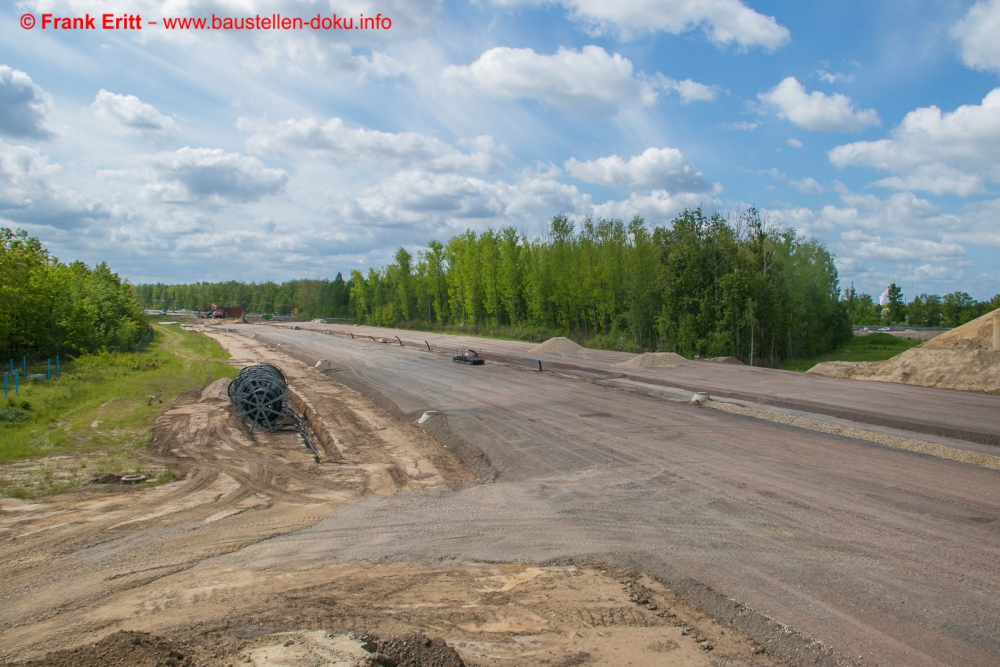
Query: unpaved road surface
{"points": [[972, 416], [174, 560], [888, 557]]}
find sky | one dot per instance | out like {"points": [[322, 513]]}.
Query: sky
{"points": [[184, 155]]}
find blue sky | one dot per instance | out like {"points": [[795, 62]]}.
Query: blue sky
{"points": [[206, 155]]}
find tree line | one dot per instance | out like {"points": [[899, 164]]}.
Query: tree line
{"points": [[925, 310], [704, 284], [48, 307], [310, 298]]}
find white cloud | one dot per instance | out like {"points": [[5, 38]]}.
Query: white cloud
{"points": [[939, 152], [724, 21], [898, 249], [979, 223], [590, 79], [302, 52], [659, 206], [936, 178], [807, 186], [794, 143], [663, 168], [403, 150], [31, 192], [834, 77], [211, 176], [879, 240], [816, 111], [742, 126], [130, 115], [23, 105], [977, 34], [420, 202], [692, 91]]}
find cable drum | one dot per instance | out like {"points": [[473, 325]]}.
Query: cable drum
{"points": [[260, 396]]}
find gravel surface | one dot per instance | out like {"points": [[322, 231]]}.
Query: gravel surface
{"points": [[896, 442], [654, 360], [556, 345], [885, 556], [952, 414]]}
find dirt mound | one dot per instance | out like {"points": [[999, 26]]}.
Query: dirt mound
{"points": [[121, 649], [556, 345], [727, 360], [966, 359], [654, 360], [412, 651]]}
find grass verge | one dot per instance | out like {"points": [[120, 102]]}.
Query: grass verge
{"points": [[96, 416], [873, 347]]}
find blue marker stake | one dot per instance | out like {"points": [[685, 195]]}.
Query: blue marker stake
{"points": [[48, 369], [24, 366], [17, 385], [57, 365]]}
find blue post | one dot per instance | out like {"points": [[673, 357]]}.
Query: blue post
{"points": [[12, 365], [57, 365], [48, 369], [24, 366], [17, 385]]}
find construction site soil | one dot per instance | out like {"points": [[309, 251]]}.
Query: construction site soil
{"points": [[578, 515], [654, 360], [966, 359]]}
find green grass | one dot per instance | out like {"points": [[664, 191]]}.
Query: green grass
{"points": [[873, 347], [100, 411]]}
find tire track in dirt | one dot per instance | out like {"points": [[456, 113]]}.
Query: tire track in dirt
{"points": [[60, 556]]}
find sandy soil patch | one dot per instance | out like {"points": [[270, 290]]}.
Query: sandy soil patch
{"points": [[81, 567], [965, 358], [654, 360]]}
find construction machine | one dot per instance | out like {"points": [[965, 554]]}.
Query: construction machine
{"points": [[470, 357]]}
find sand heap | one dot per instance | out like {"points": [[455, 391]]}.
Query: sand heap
{"points": [[726, 360], [966, 358], [654, 360], [557, 345]]}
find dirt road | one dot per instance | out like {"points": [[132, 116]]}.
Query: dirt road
{"points": [[173, 559], [888, 557], [970, 416]]}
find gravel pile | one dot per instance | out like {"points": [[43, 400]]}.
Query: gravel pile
{"points": [[556, 345], [654, 360]]}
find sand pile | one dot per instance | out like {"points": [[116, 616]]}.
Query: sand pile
{"points": [[727, 360], [557, 345], [966, 358], [654, 360]]}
